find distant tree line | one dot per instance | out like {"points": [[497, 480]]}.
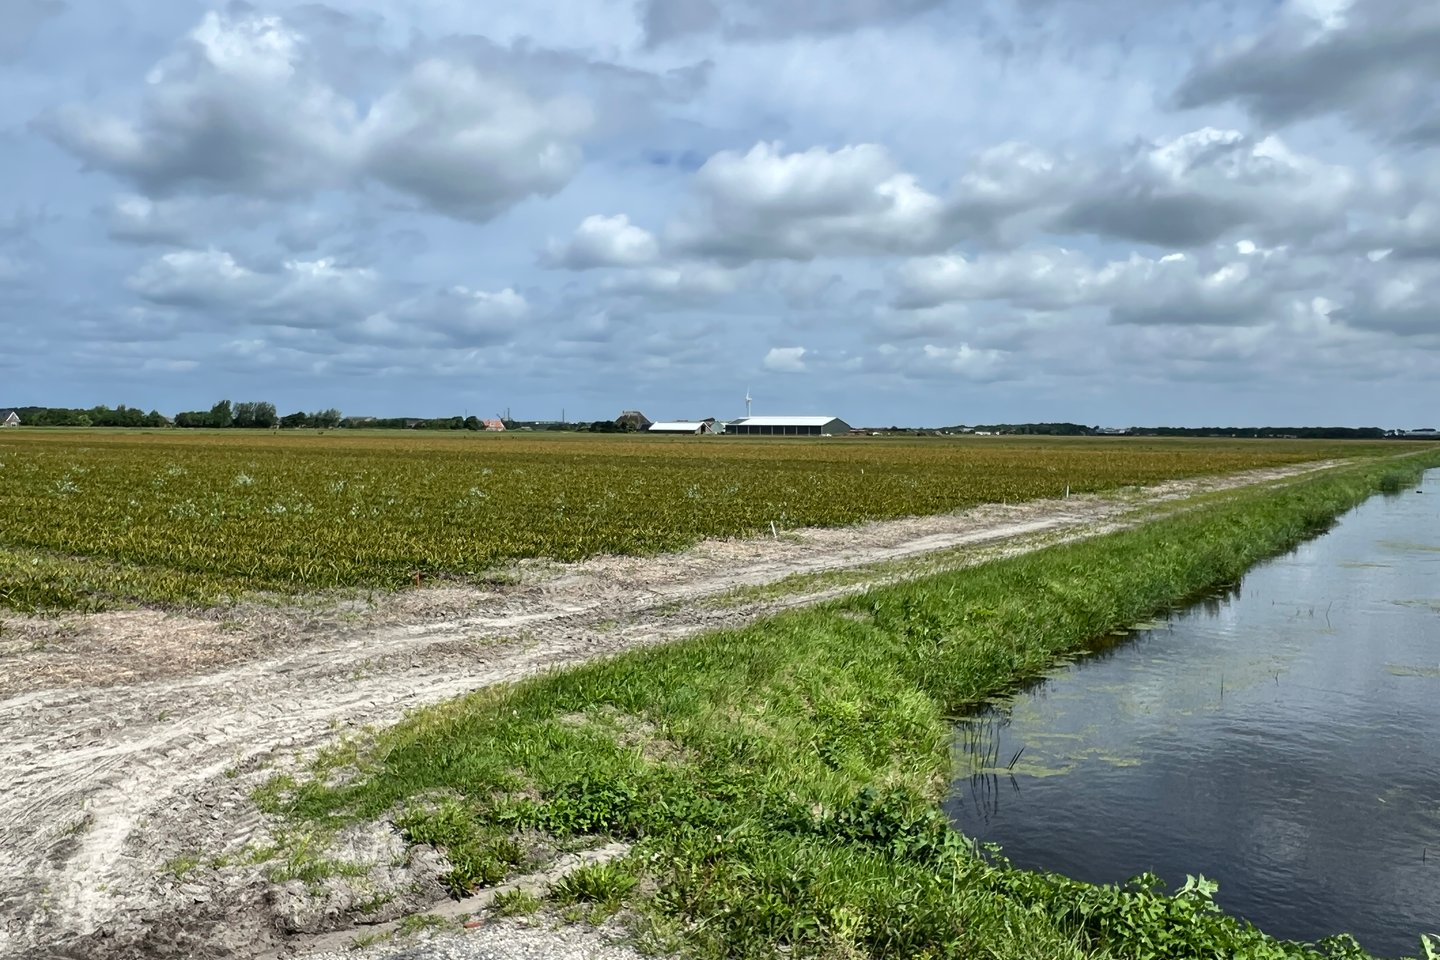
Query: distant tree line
{"points": [[1301, 433], [1080, 430], [415, 423], [476, 424], [256, 415], [102, 416], [1041, 429]]}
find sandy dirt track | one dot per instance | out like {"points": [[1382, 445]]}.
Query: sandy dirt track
{"points": [[131, 739]]}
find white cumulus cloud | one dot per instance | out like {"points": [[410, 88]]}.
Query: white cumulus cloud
{"points": [[601, 241], [785, 359]]}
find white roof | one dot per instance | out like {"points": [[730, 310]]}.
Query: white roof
{"points": [[783, 421], [678, 425]]}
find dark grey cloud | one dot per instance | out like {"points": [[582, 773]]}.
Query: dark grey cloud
{"points": [[667, 20], [139, 324], [1395, 296], [1403, 223], [248, 103], [215, 284], [242, 107], [185, 220], [470, 145], [1378, 61], [1199, 187], [237, 107], [1185, 192], [1152, 214], [460, 315]]}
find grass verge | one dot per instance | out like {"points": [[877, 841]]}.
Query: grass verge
{"points": [[780, 783]]}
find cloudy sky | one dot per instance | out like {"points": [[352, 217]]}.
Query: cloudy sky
{"points": [[913, 211]]}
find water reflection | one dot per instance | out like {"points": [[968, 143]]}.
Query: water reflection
{"points": [[979, 753], [1283, 739]]}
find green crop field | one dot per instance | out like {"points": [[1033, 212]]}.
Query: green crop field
{"points": [[90, 519]]}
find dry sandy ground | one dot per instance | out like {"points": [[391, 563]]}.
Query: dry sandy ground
{"points": [[131, 739]]}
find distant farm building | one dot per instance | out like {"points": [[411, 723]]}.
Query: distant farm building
{"points": [[788, 427], [633, 420], [693, 427], [493, 424], [9, 418]]}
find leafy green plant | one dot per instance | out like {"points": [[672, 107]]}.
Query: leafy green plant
{"points": [[421, 923], [606, 884], [514, 903]]}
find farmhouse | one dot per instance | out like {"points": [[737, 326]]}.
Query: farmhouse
{"points": [[787, 427], [633, 420], [493, 424], [9, 418], [695, 427]]}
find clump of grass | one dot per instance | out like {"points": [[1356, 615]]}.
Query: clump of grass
{"points": [[481, 854], [300, 854], [1394, 481], [516, 903], [604, 884], [421, 923], [799, 813]]}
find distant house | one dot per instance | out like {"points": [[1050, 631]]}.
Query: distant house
{"points": [[494, 424], [694, 427], [9, 418], [787, 427], [633, 420]]}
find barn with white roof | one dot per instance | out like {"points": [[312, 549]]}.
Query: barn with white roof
{"points": [[787, 427], [696, 427]]}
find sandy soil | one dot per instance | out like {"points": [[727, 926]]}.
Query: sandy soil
{"points": [[131, 739]]}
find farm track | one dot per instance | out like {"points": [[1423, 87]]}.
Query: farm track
{"points": [[115, 769]]}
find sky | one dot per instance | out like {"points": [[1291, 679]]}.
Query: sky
{"points": [[893, 211]]}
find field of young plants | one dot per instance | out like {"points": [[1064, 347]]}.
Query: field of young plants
{"points": [[94, 519]]}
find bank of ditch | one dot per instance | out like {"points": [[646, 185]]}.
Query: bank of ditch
{"points": [[779, 785]]}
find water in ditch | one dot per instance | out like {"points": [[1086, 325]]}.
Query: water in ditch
{"points": [[1282, 739]]}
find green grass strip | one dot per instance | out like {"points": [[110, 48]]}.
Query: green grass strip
{"points": [[781, 783]]}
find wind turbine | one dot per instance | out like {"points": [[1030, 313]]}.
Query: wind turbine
{"points": [[747, 403]]}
